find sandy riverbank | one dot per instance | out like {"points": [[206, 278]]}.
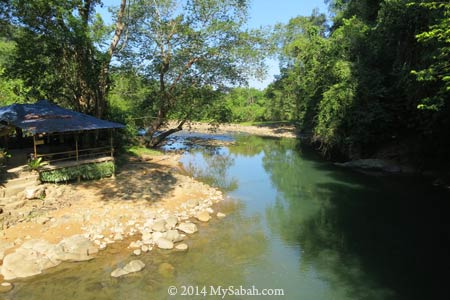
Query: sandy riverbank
{"points": [[270, 130]]}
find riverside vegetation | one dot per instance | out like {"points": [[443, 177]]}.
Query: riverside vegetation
{"points": [[369, 80]]}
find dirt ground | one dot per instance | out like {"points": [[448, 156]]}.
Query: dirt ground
{"points": [[141, 186]]}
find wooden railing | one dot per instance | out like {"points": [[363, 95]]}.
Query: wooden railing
{"points": [[77, 154]]}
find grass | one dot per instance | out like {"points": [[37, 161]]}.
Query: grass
{"points": [[139, 150]]}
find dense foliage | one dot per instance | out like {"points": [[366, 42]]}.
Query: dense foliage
{"points": [[375, 83], [374, 80]]}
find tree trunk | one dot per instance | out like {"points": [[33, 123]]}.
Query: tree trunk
{"points": [[104, 74], [155, 141]]}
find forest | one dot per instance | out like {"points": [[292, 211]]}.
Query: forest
{"points": [[371, 78]]}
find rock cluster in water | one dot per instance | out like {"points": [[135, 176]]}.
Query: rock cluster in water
{"points": [[152, 227]]}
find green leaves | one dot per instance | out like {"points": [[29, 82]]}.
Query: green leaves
{"points": [[86, 171], [437, 70]]}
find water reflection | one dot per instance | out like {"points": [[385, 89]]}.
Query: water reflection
{"points": [[363, 237], [211, 166]]}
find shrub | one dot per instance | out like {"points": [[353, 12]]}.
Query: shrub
{"points": [[86, 172]]}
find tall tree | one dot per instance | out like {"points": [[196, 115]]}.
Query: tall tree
{"points": [[58, 52], [189, 45]]}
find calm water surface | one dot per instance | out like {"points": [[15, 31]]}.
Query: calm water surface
{"points": [[294, 223]]}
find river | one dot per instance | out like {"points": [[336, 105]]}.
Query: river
{"points": [[296, 226]]}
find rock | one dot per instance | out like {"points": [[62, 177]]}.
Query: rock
{"points": [[24, 263], [159, 226], [157, 235], [35, 192], [203, 216], [136, 244], [166, 270], [145, 249], [171, 222], [132, 267], [182, 247], [188, 228], [164, 243], [147, 238], [372, 164], [118, 272], [137, 252], [3, 247], [76, 248], [174, 236], [191, 203], [221, 215], [6, 287], [118, 237]]}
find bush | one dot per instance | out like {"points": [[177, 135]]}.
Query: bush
{"points": [[86, 172]]}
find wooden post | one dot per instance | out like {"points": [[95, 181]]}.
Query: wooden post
{"points": [[111, 142], [34, 147], [76, 146], [76, 154]]}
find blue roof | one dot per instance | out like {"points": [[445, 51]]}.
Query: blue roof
{"points": [[46, 117]]}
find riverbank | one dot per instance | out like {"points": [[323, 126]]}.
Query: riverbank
{"points": [[281, 129], [149, 200]]}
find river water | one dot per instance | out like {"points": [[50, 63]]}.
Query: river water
{"points": [[296, 225]]}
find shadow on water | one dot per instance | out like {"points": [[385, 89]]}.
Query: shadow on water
{"points": [[379, 237]]}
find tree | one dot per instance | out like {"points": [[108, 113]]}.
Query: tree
{"points": [[58, 52], [187, 46], [437, 70]]}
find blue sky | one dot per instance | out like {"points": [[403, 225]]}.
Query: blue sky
{"points": [[271, 12], [263, 13]]}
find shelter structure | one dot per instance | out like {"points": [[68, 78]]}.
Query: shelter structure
{"points": [[59, 136]]}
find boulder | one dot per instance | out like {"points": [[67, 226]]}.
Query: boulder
{"points": [[188, 228], [171, 221], [173, 235], [132, 267], [203, 216], [75, 248], [159, 226], [24, 263], [3, 247], [118, 272], [164, 243], [34, 192]]}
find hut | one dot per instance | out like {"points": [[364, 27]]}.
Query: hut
{"points": [[64, 139]]}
